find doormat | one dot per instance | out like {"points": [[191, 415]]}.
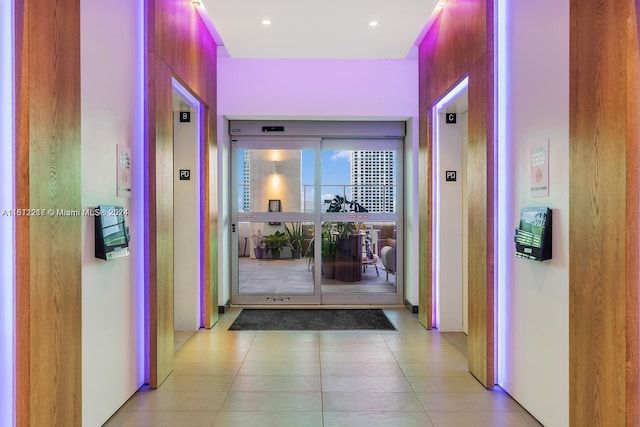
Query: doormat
{"points": [[311, 320]]}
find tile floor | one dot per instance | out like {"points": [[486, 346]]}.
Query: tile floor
{"points": [[410, 377], [289, 276]]}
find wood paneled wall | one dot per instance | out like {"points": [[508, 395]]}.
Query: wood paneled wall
{"points": [[179, 46], [460, 44], [48, 260], [603, 217]]}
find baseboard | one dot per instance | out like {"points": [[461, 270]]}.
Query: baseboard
{"points": [[222, 309], [412, 308]]}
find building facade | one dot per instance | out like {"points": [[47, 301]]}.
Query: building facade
{"points": [[373, 179]]}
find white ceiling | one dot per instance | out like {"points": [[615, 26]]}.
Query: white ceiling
{"points": [[322, 29]]}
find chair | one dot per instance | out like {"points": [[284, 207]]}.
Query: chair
{"points": [[369, 256], [366, 261], [388, 257]]}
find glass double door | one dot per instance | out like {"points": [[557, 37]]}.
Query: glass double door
{"points": [[316, 221]]}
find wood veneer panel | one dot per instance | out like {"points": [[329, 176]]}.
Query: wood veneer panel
{"points": [[210, 250], [23, 291], [211, 229], [180, 46], [152, 235], [425, 249], [161, 172], [480, 198], [633, 214], [603, 229], [49, 278], [460, 44], [205, 304], [457, 39], [184, 43]]}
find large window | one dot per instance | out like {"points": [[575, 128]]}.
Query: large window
{"points": [[316, 221]]}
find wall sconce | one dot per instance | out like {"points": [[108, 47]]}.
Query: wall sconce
{"points": [[275, 168]]}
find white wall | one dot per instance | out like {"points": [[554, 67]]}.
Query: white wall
{"points": [[112, 291], [533, 305], [7, 248], [186, 225], [412, 213], [319, 89], [284, 185]]}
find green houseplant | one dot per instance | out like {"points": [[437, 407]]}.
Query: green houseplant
{"points": [[275, 243], [296, 237], [328, 250]]}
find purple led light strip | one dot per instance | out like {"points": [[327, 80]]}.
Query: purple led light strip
{"points": [[7, 228]]}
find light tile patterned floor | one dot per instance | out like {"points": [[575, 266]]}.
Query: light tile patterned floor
{"points": [[293, 276], [410, 377]]}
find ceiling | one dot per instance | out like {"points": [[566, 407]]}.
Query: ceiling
{"points": [[327, 29]]}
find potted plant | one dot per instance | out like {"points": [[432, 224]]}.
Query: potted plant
{"points": [[275, 243], [348, 244], [258, 245], [341, 204], [296, 237]]}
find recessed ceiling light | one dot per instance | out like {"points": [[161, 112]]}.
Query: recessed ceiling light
{"points": [[266, 22], [196, 3], [373, 23]]}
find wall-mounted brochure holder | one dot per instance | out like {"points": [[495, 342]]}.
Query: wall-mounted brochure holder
{"points": [[533, 235], [111, 232]]}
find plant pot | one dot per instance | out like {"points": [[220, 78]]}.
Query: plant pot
{"points": [[329, 269], [296, 253], [349, 258], [259, 252], [275, 254]]}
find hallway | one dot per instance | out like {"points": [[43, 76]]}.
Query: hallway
{"points": [[410, 377]]}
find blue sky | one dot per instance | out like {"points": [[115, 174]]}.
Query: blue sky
{"points": [[335, 170]]}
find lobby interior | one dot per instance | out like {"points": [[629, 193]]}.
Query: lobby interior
{"points": [[554, 342]]}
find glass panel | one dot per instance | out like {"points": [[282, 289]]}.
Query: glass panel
{"points": [[359, 181], [275, 179], [272, 258], [358, 257]]}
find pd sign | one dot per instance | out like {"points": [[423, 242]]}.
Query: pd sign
{"points": [[450, 175], [185, 174]]}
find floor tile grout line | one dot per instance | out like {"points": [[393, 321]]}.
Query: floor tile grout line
{"points": [[237, 371], [321, 380], [387, 339]]}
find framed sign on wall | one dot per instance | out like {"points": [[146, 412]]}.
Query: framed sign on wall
{"points": [[275, 206], [539, 181]]}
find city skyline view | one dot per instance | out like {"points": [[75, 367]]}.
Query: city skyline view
{"points": [[339, 172]]}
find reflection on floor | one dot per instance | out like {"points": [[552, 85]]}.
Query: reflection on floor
{"points": [[294, 276], [410, 377], [179, 338], [458, 340]]}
